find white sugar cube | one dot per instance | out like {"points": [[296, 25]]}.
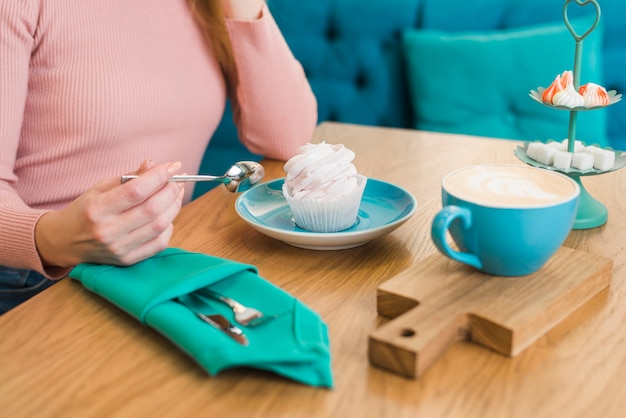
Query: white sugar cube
{"points": [[541, 152], [582, 160], [558, 145], [603, 159], [545, 154], [563, 159], [533, 150], [592, 149], [578, 145]]}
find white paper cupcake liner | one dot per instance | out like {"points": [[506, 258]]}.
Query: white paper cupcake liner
{"points": [[327, 216]]}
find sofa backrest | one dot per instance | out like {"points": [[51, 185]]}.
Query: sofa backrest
{"points": [[350, 49], [352, 56]]}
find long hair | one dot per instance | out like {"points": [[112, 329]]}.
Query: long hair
{"points": [[210, 17]]}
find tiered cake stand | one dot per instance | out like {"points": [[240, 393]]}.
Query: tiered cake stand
{"points": [[591, 213]]}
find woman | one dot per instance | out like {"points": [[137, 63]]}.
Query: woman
{"points": [[92, 90]]}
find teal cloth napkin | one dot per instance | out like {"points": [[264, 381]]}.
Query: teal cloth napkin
{"points": [[294, 343]]}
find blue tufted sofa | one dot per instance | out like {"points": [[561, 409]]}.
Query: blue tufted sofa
{"points": [[352, 52]]}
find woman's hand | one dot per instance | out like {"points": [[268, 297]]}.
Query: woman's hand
{"points": [[242, 9], [113, 223]]}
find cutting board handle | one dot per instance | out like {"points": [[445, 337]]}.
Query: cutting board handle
{"points": [[410, 343]]}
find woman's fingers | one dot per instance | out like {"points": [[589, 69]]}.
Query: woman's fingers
{"points": [[242, 9], [144, 166], [147, 249], [119, 198], [118, 220], [149, 238], [123, 225], [150, 178], [111, 183]]}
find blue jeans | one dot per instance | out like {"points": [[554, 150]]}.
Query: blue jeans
{"points": [[17, 285]]}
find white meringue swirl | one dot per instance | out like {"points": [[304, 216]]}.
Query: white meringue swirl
{"points": [[568, 97], [321, 172]]}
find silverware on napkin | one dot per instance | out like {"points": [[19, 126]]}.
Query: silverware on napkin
{"points": [[244, 315], [220, 322]]}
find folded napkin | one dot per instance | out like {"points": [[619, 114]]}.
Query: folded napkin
{"points": [[160, 291]]}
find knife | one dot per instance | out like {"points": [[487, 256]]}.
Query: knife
{"points": [[224, 325], [220, 322]]}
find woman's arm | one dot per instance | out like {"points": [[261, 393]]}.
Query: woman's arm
{"points": [[273, 105], [18, 24]]}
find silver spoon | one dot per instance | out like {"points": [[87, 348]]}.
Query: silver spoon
{"points": [[239, 177], [243, 314]]}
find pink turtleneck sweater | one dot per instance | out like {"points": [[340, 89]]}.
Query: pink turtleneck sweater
{"points": [[90, 89]]}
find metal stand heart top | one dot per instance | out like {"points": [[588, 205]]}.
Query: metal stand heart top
{"points": [[578, 58], [579, 38]]}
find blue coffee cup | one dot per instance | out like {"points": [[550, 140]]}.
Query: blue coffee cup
{"points": [[505, 219]]}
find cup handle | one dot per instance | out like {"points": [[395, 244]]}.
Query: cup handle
{"points": [[441, 224]]}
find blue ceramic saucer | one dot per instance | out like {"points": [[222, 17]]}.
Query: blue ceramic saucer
{"points": [[384, 208]]}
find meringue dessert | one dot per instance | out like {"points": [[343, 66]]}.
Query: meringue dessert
{"points": [[594, 95], [563, 93], [323, 188]]}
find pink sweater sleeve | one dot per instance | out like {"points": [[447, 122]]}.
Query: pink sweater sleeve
{"points": [[274, 108], [17, 220]]}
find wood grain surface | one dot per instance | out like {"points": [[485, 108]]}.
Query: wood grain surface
{"points": [[69, 353]]}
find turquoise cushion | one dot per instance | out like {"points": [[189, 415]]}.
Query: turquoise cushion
{"points": [[477, 83]]}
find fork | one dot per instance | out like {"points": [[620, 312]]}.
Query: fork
{"points": [[244, 315]]}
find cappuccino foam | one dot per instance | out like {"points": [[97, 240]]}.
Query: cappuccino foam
{"points": [[513, 186]]}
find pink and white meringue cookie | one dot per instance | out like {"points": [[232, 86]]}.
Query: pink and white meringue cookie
{"points": [[594, 95], [323, 188], [560, 82]]}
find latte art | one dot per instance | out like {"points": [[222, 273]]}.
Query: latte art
{"points": [[509, 186]]}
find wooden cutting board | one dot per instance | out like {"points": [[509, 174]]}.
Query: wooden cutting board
{"points": [[440, 301]]}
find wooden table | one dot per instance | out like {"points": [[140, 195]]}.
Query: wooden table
{"points": [[69, 353]]}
